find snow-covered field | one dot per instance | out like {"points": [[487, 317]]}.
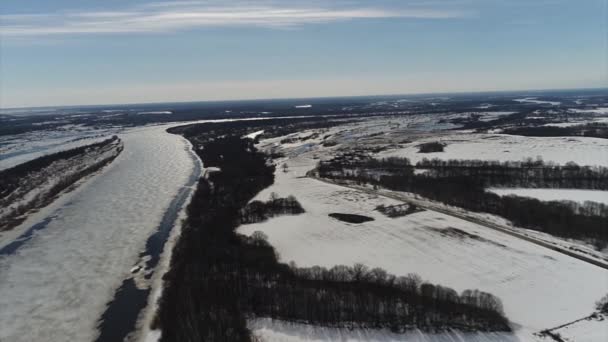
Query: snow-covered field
{"points": [[599, 110], [488, 116], [601, 120], [164, 112], [481, 115], [268, 330], [587, 330], [536, 101], [58, 283], [502, 147], [555, 194], [540, 288]]}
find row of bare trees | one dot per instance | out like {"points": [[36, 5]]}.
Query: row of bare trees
{"points": [[463, 183], [528, 173]]}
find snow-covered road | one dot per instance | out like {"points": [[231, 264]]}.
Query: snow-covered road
{"points": [[55, 286]]}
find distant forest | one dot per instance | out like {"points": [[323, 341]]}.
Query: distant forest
{"points": [[593, 130], [463, 183], [199, 133], [218, 278]]}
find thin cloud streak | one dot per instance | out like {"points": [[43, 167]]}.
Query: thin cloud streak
{"points": [[188, 15]]}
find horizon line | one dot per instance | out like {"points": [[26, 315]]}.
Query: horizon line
{"points": [[307, 98]]}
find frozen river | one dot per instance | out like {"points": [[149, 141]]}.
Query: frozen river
{"points": [[55, 286]]}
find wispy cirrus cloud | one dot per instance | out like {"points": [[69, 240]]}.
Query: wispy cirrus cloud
{"points": [[184, 15]]}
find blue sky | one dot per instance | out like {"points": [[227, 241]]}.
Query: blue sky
{"points": [[66, 52]]}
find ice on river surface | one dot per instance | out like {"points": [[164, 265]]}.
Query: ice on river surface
{"points": [[56, 286]]}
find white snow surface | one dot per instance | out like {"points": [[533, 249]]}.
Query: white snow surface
{"points": [[599, 110], [164, 112], [565, 124], [578, 123], [489, 116], [540, 288], [55, 287], [503, 147], [535, 101], [276, 331], [555, 194], [588, 330], [254, 134]]}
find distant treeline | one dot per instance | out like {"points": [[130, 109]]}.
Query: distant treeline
{"points": [[463, 183], [274, 127], [18, 183], [9, 178], [128, 116], [473, 121], [529, 173], [218, 278], [593, 130]]}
